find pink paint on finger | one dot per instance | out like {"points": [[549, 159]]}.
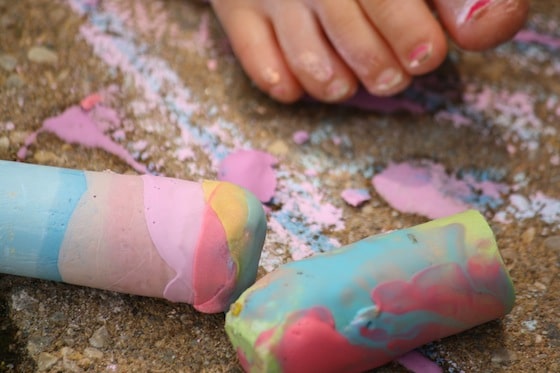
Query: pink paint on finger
{"points": [[477, 8], [252, 170]]}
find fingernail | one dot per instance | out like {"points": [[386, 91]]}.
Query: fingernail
{"points": [[388, 79], [419, 55], [271, 76], [315, 66], [337, 90]]}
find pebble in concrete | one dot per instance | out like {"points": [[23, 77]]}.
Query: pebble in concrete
{"points": [[100, 338], [42, 55]]}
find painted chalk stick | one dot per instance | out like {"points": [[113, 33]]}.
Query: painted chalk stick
{"points": [[197, 243], [363, 305]]}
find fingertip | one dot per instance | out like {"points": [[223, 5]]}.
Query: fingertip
{"points": [[426, 55], [478, 25], [255, 45]]}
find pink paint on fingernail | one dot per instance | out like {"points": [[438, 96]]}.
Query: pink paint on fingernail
{"points": [[419, 55], [477, 7], [472, 9]]}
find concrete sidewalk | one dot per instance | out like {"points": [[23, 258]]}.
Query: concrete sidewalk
{"points": [[183, 103]]}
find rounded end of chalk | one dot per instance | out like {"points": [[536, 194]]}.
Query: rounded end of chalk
{"points": [[235, 223]]}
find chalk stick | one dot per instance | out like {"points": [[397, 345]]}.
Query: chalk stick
{"points": [[365, 304], [192, 242]]}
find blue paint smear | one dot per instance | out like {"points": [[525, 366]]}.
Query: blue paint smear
{"points": [[36, 204]]}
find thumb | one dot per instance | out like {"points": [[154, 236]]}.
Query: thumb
{"points": [[482, 24]]}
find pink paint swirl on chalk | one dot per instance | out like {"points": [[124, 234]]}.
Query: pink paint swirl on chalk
{"points": [[86, 128], [252, 170], [310, 335]]}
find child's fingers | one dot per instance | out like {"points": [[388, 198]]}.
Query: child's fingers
{"points": [[411, 31], [361, 46], [311, 57], [255, 44]]}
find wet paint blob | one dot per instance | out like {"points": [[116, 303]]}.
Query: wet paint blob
{"points": [[252, 170]]}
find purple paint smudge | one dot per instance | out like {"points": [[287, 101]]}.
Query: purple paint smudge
{"points": [[418, 363], [365, 100], [355, 197], [86, 128], [252, 170]]}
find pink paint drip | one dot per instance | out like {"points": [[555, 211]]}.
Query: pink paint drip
{"points": [[418, 363], [77, 126], [252, 170]]}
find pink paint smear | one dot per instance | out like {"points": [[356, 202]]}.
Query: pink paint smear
{"points": [[86, 128], [418, 363], [300, 137], [425, 188], [252, 170]]}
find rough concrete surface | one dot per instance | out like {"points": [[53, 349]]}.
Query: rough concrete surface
{"points": [[491, 111]]}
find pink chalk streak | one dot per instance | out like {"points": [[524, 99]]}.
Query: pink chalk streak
{"points": [[531, 36]]}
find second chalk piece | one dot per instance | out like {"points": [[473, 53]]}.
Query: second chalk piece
{"points": [[363, 305]]}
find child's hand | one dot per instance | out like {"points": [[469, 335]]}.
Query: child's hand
{"points": [[325, 47]]}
